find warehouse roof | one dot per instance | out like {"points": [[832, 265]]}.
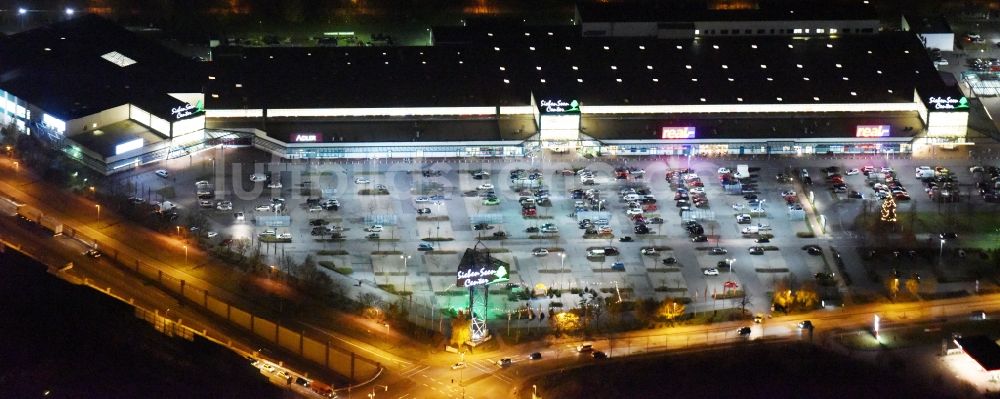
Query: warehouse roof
{"points": [[699, 10], [503, 67], [87, 64], [982, 349]]}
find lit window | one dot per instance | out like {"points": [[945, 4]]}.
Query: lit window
{"points": [[614, 68], [770, 79], [580, 80], [829, 45], [532, 48], [538, 68], [820, 30], [731, 79], [890, 91], [459, 61], [869, 51], [527, 34], [807, 31], [853, 93], [797, 31], [724, 66], [815, 98], [423, 62], [550, 33], [238, 85], [753, 46], [798, 66], [906, 51], [607, 48], [642, 47], [694, 79], [619, 80], [655, 80], [568, 48], [650, 67], [541, 80], [575, 68], [805, 78], [779, 99], [839, 65], [215, 95], [697, 31], [387, 62], [833, 31], [211, 78], [506, 80], [703, 99], [763, 66], [845, 78], [687, 67], [503, 69], [878, 72], [489, 34], [715, 46], [740, 99], [496, 49]]}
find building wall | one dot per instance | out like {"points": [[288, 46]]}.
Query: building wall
{"points": [[94, 121], [786, 28], [941, 41]]}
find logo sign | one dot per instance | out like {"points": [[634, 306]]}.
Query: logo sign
{"points": [[307, 137], [949, 102], [872, 131], [187, 110], [479, 268], [559, 106], [685, 132]]}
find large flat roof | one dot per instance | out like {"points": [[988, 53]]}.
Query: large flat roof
{"points": [[504, 68], [699, 10], [982, 349], [72, 69]]}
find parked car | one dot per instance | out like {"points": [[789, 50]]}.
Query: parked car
{"points": [[718, 251], [425, 247], [745, 331], [711, 272], [540, 252], [162, 173]]}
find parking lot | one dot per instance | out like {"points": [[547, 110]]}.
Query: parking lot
{"points": [[567, 225]]}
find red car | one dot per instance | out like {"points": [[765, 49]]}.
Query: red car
{"points": [[529, 212]]}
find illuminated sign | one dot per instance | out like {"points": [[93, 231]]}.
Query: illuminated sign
{"points": [[307, 137], [128, 146], [53, 122], [872, 131], [558, 106], [479, 268], [685, 132], [187, 110], [949, 102]]}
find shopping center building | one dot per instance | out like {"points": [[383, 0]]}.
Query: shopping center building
{"points": [[113, 99]]}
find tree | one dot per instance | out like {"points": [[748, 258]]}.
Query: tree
{"points": [[646, 309], [371, 304], [893, 287], [889, 210], [806, 299], [566, 322], [745, 302], [670, 309], [913, 286], [461, 329]]}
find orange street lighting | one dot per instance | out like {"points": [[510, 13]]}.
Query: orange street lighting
{"points": [[98, 212], [185, 254]]}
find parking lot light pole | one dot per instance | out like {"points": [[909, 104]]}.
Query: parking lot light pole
{"points": [[185, 255], [406, 272], [562, 261], [941, 252], [98, 212]]}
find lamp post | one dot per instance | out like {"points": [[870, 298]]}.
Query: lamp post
{"points": [[562, 261], [406, 272], [941, 252], [98, 212], [185, 255]]}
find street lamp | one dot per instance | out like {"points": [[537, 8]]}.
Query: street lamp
{"points": [[98, 212], [562, 261], [21, 11], [185, 255], [70, 11], [941, 251], [406, 273]]}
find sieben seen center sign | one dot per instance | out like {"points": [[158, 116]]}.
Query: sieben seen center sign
{"points": [[479, 268]]}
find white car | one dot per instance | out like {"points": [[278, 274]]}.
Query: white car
{"points": [[853, 172], [723, 171], [315, 208], [375, 228], [285, 236], [540, 252], [789, 193], [697, 190], [205, 203], [276, 184], [239, 216], [258, 177], [224, 206], [421, 200], [485, 186], [633, 211], [459, 365], [886, 169], [211, 234], [923, 169], [263, 208], [201, 183], [361, 180], [711, 272], [648, 251], [162, 173], [549, 229]]}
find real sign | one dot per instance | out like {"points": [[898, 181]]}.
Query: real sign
{"points": [[872, 131], [685, 132], [559, 106], [187, 110], [307, 137]]}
